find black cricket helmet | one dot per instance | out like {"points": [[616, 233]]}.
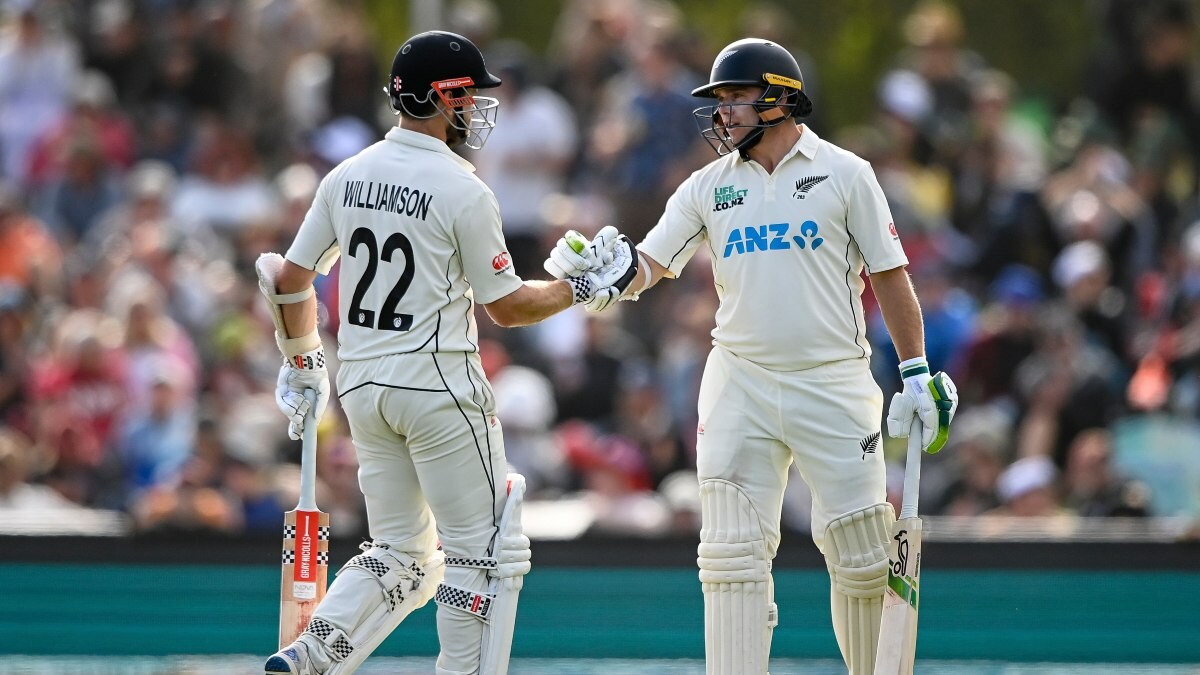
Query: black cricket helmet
{"points": [[752, 62], [433, 73]]}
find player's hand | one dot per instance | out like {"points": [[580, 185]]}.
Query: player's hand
{"points": [[574, 254], [303, 371], [933, 399], [599, 289]]}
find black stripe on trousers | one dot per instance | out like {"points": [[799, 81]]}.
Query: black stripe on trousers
{"points": [[484, 461]]}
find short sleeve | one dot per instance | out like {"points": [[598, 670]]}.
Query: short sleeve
{"points": [[679, 232], [485, 258], [316, 247], [870, 223]]}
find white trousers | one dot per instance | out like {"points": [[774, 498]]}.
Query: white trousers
{"points": [[431, 466], [756, 422]]}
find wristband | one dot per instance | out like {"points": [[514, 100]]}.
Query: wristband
{"points": [[914, 366]]}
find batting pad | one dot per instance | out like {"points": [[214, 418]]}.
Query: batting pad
{"points": [[488, 617], [735, 574], [856, 553], [371, 595]]}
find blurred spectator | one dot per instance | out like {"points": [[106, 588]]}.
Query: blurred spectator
{"points": [[1028, 488], [94, 114], [963, 480], [118, 45], [157, 441], [589, 44], [16, 492], [226, 191], [79, 395], [1092, 484], [72, 203], [37, 69], [1004, 336], [1081, 270], [195, 72], [1091, 199], [15, 328], [30, 259], [997, 179], [337, 484], [587, 387], [644, 142], [935, 34], [1147, 64], [615, 482], [1066, 386], [527, 156], [525, 406]]}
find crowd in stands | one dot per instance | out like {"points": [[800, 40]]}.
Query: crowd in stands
{"points": [[151, 149]]}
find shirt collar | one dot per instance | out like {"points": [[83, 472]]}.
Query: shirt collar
{"points": [[426, 142], [807, 145]]}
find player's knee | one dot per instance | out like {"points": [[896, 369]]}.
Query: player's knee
{"points": [[733, 545], [856, 550]]}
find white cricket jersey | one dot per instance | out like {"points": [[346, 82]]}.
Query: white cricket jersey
{"points": [[422, 240], [787, 250]]}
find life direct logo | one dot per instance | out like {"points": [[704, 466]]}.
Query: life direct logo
{"points": [[728, 197], [773, 237]]}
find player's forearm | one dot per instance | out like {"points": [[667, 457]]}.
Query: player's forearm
{"points": [[533, 302], [300, 318], [901, 311], [649, 273]]}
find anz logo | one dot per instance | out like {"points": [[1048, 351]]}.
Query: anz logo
{"points": [[773, 237]]}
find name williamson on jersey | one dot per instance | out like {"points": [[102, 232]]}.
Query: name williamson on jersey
{"points": [[398, 199]]}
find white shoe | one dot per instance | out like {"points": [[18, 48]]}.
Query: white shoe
{"points": [[294, 659]]}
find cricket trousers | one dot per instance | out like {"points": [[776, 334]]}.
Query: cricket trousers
{"points": [[431, 467], [753, 423]]}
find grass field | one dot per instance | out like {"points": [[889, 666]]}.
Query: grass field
{"points": [[251, 665]]}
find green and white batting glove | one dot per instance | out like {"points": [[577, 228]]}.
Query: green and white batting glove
{"points": [[599, 289], [933, 399], [574, 254]]}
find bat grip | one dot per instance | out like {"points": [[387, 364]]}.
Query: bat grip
{"points": [[912, 471], [308, 456]]}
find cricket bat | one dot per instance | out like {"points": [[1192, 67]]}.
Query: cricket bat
{"points": [[305, 544], [901, 599]]}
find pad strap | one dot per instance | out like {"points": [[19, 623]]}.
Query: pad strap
{"points": [[334, 638], [465, 599], [292, 298], [477, 563]]}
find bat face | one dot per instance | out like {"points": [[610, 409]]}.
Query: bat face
{"points": [[305, 570], [898, 627]]}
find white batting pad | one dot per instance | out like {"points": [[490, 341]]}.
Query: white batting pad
{"points": [[735, 573], [371, 595], [856, 554], [497, 606]]}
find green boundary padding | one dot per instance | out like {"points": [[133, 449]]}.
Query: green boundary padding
{"points": [[629, 612]]}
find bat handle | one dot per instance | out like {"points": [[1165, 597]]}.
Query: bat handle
{"points": [[912, 471], [308, 456]]}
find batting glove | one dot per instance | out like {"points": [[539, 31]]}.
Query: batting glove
{"points": [[597, 290], [933, 399], [565, 261], [302, 372]]}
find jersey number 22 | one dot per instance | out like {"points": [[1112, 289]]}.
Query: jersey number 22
{"points": [[388, 318]]}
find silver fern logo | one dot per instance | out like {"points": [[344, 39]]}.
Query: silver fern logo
{"points": [[869, 445], [805, 184]]}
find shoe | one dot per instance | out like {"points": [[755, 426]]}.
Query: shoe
{"points": [[291, 660]]}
